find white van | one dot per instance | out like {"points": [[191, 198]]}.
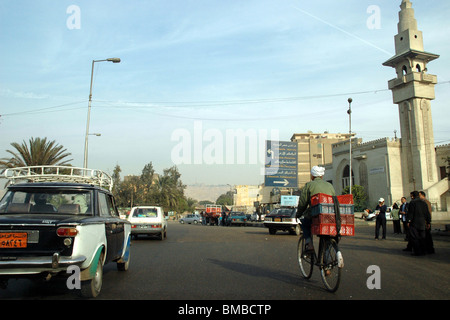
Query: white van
{"points": [[148, 220]]}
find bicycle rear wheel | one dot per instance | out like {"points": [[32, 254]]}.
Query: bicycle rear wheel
{"points": [[305, 259], [329, 270]]}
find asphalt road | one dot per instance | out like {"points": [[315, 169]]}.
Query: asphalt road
{"points": [[198, 262]]}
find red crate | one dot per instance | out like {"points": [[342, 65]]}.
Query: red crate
{"points": [[330, 229], [321, 198], [345, 199], [348, 219], [325, 224]]}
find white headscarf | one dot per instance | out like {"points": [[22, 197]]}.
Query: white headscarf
{"points": [[317, 171]]}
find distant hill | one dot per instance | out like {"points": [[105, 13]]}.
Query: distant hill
{"points": [[201, 192]]}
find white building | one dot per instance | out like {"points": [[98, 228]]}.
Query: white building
{"points": [[393, 168]]}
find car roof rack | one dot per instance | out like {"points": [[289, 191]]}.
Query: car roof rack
{"points": [[47, 173]]}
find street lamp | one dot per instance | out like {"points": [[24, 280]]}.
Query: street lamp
{"points": [[113, 60], [349, 111]]}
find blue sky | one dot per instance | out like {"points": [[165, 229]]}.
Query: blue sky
{"points": [[285, 65]]}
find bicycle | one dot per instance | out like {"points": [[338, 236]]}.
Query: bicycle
{"points": [[329, 260]]}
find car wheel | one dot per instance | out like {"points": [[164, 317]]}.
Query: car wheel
{"points": [[195, 221], [91, 288], [162, 235], [272, 230], [182, 221]]}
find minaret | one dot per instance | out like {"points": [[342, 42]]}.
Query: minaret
{"points": [[412, 90]]}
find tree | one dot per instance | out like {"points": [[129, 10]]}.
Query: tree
{"points": [[171, 189], [38, 152], [147, 175], [166, 190], [359, 197], [225, 199], [116, 177]]}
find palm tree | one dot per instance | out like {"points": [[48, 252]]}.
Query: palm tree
{"points": [[38, 152]]}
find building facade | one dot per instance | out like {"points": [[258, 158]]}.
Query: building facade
{"points": [[314, 149], [392, 168]]}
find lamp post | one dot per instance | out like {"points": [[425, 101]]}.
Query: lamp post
{"points": [[349, 111], [113, 60]]}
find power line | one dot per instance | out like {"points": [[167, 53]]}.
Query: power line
{"points": [[44, 110], [194, 104]]}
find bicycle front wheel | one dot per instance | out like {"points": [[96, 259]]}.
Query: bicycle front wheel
{"points": [[329, 269], [305, 259]]}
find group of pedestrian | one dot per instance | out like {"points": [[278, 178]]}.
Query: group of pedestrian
{"points": [[418, 222], [416, 215], [416, 219]]}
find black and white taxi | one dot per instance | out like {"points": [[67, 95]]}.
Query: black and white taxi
{"points": [[283, 219], [61, 221]]}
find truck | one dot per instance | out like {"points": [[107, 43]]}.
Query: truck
{"points": [[212, 214]]}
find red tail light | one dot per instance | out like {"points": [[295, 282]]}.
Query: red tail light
{"points": [[67, 232]]}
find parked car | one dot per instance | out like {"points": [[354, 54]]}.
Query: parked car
{"points": [[236, 218], [148, 220], [283, 219], [191, 218], [48, 227], [370, 215]]}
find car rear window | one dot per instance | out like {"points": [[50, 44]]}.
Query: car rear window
{"points": [[145, 213], [47, 201]]}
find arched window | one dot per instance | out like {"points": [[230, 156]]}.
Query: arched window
{"points": [[418, 69], [346, 177], [405, 71]]}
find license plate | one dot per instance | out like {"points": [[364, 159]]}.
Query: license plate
{"points": [[277, 219], [13, 240]]}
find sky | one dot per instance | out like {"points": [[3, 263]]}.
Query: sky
{"points": [[196, 76]]}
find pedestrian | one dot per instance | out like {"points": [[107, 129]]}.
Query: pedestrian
{"points": [[381, 219], [224, 218], [202, 213], [403, 213], [316, 185], [429, 246], [419, 219], [396, 218]]}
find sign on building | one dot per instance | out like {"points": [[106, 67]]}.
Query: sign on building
{"points": [[281, 164], [289, 201]]}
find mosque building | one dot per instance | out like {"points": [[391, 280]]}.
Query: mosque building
{"points": [[392, 168]]}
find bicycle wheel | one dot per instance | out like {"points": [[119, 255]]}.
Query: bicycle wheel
{"points": [[329, 270], [305, 259]]}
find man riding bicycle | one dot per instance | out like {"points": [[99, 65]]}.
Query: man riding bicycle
{"points": [[316, 185]]}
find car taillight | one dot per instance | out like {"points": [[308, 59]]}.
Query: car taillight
{"points": [[133, 226], [156, 226], [67, 232]]}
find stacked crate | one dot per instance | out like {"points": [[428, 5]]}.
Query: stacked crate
{"points": [[324, 217]]}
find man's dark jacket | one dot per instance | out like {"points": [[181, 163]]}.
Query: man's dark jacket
{"points": [[418, 214]]}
